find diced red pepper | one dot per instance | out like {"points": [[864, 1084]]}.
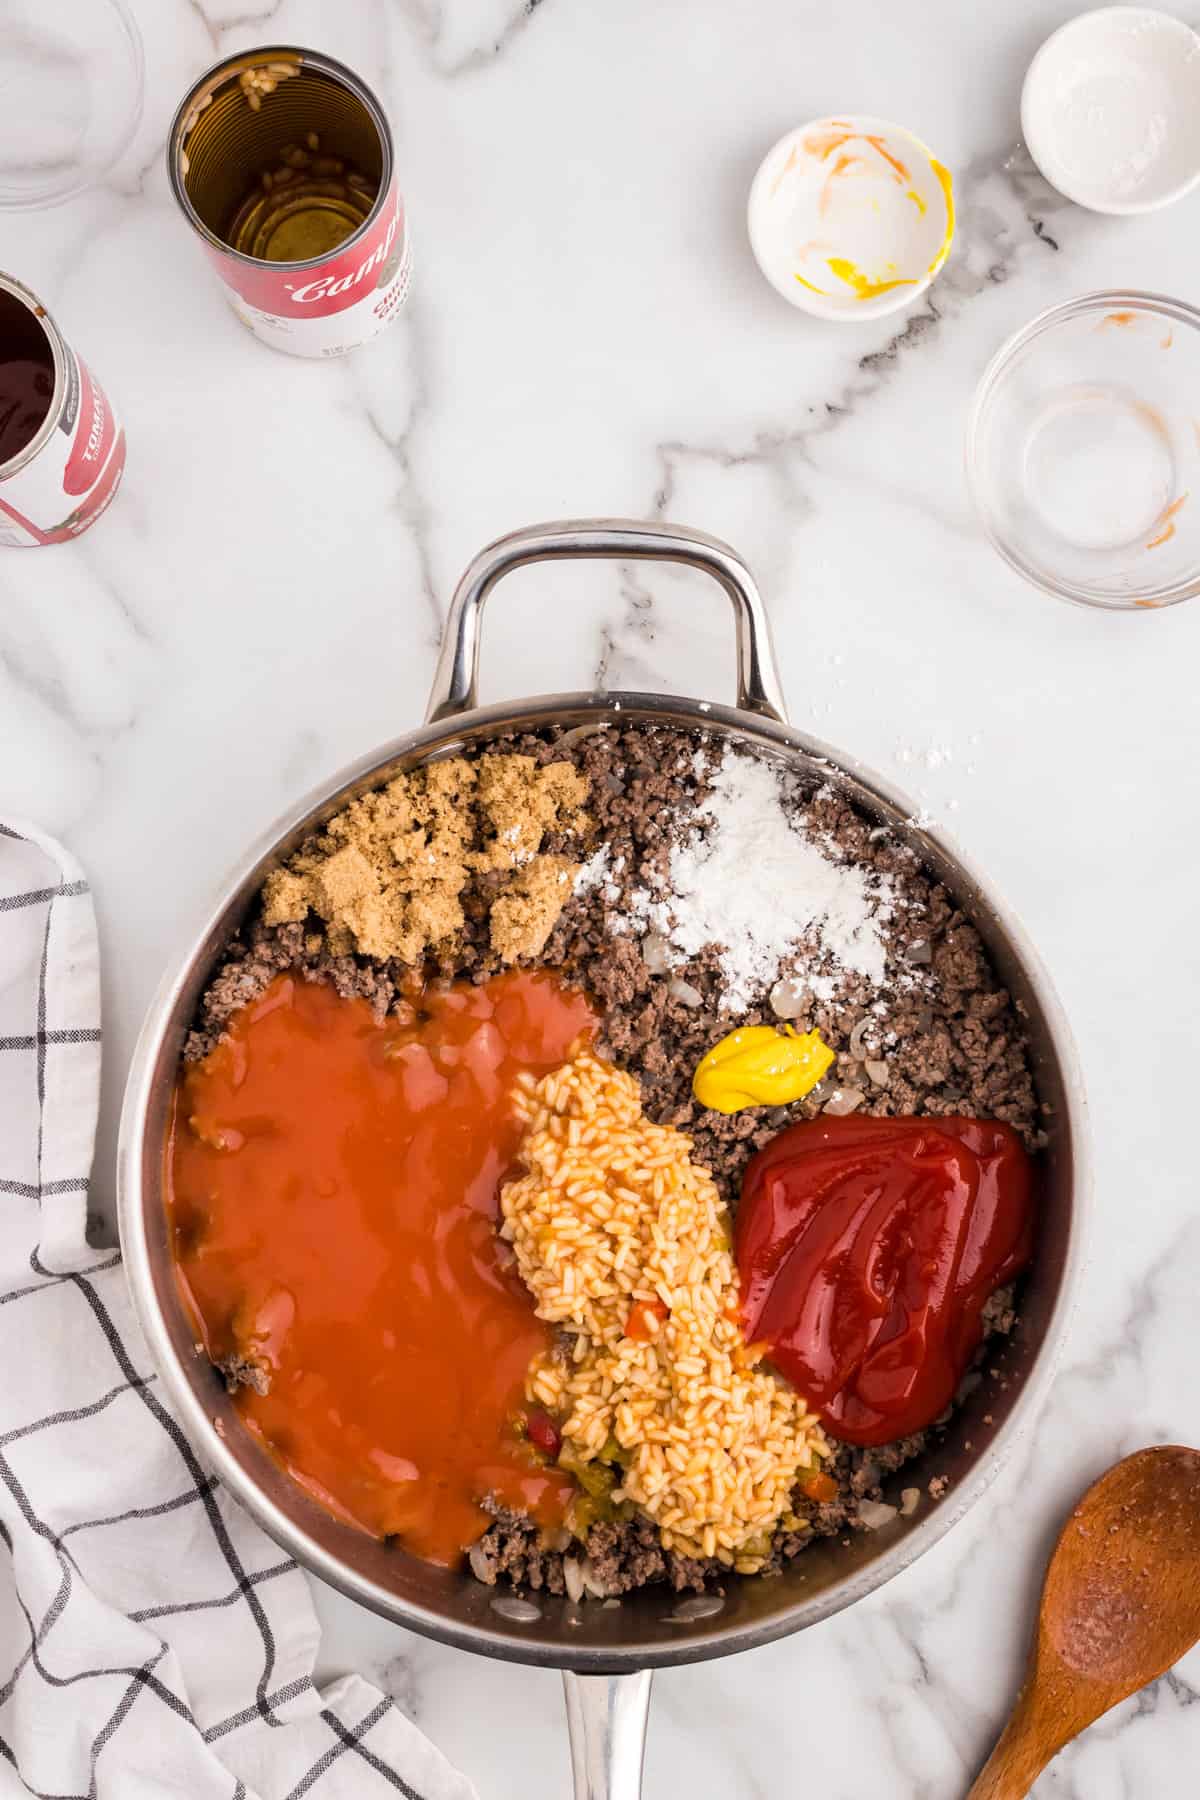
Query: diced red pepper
{"points": [[638, 1325], [818, 1486], [544, 1433]]}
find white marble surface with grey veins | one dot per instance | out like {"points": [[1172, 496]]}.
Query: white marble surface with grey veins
{"points": [[588, 334]]}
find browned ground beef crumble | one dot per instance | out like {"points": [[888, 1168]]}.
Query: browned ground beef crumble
{"points": [[946, 1030]]}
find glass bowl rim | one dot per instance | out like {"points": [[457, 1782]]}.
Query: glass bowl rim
{"points": [[135, 48], [1178, 312]]}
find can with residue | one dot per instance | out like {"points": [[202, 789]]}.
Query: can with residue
{"points": [[62, 449], [282, 162]]}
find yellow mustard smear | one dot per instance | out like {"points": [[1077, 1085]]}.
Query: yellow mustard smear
{"points": [[945, 181], [865, 286], [759, 1066], [869, 287]]}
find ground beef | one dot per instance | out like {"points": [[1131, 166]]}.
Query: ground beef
{"points": [[860, 1476], [999, 1314], [255, 958], [627, 1556], [949, 1035], [243, 1371], [511, 1550], [943, 1025], [618, 1558]]}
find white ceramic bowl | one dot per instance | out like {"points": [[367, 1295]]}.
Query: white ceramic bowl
{"points": [[850, 217], [1110, 109]]}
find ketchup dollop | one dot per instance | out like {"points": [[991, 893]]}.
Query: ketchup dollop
{"points": [[867, 1249]]}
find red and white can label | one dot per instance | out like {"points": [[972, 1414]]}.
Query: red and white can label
{"points": [[331, 306], [82, 461]]}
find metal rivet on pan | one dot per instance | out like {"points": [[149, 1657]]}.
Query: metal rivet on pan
{"points": [[521, 1612], [700, 1606]]}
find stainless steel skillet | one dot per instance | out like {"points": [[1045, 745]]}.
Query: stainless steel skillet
{"points": [[606, 1652]]}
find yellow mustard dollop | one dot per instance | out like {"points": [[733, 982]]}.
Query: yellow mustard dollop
{"points": [[759, 1066]]}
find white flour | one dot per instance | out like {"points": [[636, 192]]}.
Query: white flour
{"points": [[750, 880], [1111, 108], [596, 873]]}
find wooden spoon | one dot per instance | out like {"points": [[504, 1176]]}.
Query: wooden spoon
{"points": [[1120, 1605]]}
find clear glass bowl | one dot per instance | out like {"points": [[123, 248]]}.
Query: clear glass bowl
{"points": [[1083, 450], [72, 78]]}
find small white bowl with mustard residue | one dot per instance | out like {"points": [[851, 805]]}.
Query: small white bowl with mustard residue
{"points": [[851, 217]]}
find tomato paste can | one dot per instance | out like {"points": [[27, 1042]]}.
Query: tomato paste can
{"points": [[283, 164], [62, 449]]}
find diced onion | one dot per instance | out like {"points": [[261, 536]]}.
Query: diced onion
{"points": [[875, 1513], [910, 1499], [919, 951], [843, 1100], [478, 1559], [577, 733], [787, 998], [878, 1071], [573, 1576], [656, 953], [685, 993], [592, 1581], [857, 1047]]}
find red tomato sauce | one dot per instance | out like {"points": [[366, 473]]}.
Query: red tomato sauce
{"points": [[866, 1250], [333, 1188]]}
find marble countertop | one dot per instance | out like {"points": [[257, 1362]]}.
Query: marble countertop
{"points": [[588, 334]]}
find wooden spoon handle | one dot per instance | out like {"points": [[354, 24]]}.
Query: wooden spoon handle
{"points": [[1019, 1757]]}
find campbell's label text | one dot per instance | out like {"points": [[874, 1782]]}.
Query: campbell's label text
{"points": [[330, 307]]}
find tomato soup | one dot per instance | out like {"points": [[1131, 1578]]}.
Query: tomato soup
{"points": [[333, 1189]]}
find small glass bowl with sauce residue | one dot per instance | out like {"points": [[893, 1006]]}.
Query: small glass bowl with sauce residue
{"points": [[1083, 451]]}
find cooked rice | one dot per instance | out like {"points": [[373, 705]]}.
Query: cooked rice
{"points": [[612, 1211]]}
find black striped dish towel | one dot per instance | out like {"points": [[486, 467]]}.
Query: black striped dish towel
{"points": [[153, 1641]]}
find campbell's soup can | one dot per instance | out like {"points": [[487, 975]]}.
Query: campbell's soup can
{"points": [[282, 161], [62, 449]]}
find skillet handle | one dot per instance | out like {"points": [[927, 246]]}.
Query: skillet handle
{"points": [[455, 683], [606, 1717]]}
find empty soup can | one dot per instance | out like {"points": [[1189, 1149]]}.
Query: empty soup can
{"points": [[282, 162]]}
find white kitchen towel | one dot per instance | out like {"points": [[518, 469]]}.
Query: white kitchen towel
{"points": [[153, 1642]]}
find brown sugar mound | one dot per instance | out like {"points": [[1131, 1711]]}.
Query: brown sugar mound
{"points": [[525, 914], [388, 873]]}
